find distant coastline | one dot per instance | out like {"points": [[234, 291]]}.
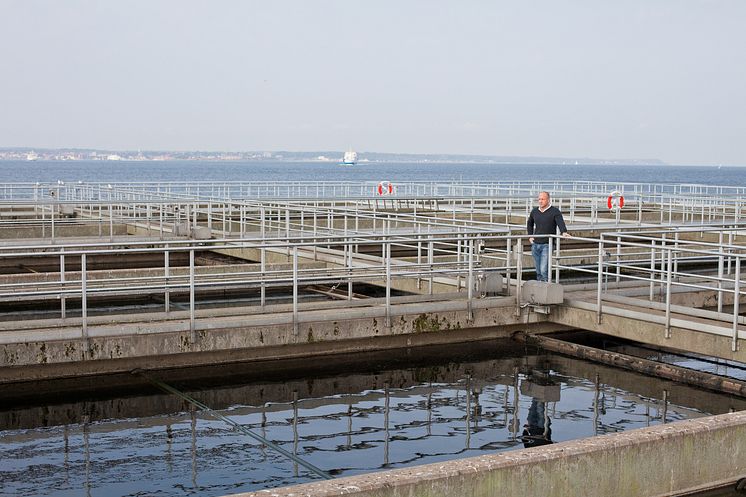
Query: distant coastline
{"points": [[76, 154]]}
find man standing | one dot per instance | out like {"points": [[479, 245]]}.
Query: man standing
{"points": [[544, 220]]}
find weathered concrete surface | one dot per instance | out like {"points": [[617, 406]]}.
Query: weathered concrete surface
{"points": [[62, 229], [123, 346], [639, 325], [661, 460]]}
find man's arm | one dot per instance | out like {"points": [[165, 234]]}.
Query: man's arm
{"points": [[530, 226], [560, 221]]}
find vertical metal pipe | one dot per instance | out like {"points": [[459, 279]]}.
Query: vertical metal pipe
{"points": [[261, 222], [669, 271], [557, 263], [63, 310], [191, 295], [549, 260], [652, 269], [600, 279], [241, 215], [518, 275], [676, 246], [458, 262], [209, 215], [419, 259], [315, 219], [349, 271], [166, 274], [736, 303], [295, 290], [430, 248], [720, 272], [84, 295], [262, 269], [618, 258], [663, 264], [287, 223], [470, 282], [387, 246]]}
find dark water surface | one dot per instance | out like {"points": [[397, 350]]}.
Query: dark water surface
{"points": [[348, 416], [119, 171]]}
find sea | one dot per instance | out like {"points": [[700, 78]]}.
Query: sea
{"points": [[151, 171]]}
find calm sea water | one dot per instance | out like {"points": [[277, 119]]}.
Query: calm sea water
{"points": [[25, 171]]}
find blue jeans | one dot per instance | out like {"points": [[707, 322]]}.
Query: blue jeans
{"points": [[540, 251]]}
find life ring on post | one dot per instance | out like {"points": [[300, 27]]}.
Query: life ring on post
{"points": [[615, 200], [385, 188]]}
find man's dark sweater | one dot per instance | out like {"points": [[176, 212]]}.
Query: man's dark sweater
{"points": [[545, 223]]}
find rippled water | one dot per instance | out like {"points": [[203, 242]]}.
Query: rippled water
{"points": [[375, 416], [23, 171]]}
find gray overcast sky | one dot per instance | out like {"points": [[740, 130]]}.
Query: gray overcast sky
{"points": [[585, 78]]}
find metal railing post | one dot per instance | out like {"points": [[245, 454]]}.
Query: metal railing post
{"points": [[618, 259], [518, 275], [508, 262], [652, 269], [84, 295], [261, 222], [458, 262], [600, 279], [349, 271], [549, 260], [63, 310], [470, 282], [419, 259], [262, 270], [191, 295], [166, 274], [430, 248], [720, 274], [669, 272], [295, 290], [557, 263], [388, 282], [736, 303]]}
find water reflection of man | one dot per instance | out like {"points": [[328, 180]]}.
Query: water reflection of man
{"points": [[537, 429]]}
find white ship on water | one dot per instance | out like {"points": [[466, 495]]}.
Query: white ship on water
{"points": [[350, 158]]}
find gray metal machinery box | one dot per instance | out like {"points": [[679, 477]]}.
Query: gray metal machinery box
{"points": [[542, 293], [201, 233], [490, 284]]}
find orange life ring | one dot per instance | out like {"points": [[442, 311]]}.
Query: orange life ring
{"points": [[385, 188]]}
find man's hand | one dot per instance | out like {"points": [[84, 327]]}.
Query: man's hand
{"points": [[531, 239], [566, 235]]}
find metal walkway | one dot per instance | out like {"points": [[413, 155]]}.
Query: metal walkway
{"points": [[85, 260]]}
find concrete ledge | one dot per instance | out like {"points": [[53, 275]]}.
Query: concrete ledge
{"points": [[661, 460]]}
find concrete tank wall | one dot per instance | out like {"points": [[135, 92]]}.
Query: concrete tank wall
{"points": [[661, 460]]}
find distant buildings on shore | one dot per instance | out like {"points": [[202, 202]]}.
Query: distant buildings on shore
{"points": [[106, 155], [29, 154]]}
